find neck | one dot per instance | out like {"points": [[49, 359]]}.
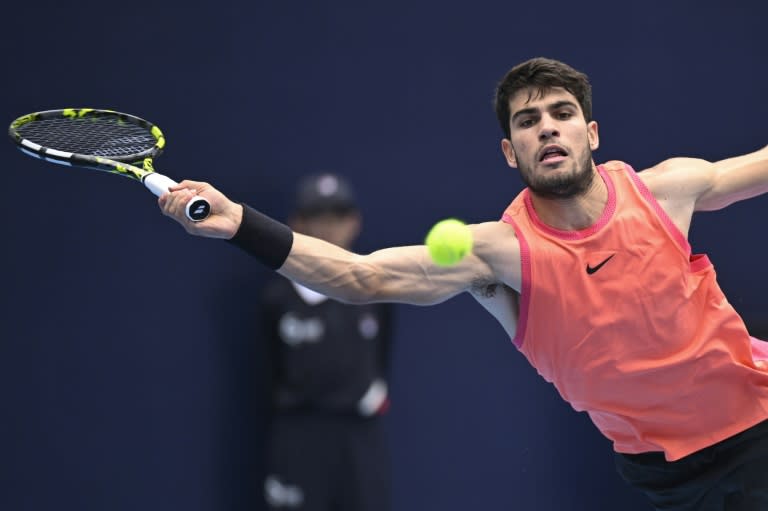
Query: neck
{"points": [[573, 213]]}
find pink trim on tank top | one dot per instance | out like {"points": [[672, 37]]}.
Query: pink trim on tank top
{"points": [[608, 211], [525, 285], [651, 200], [759, 349]]}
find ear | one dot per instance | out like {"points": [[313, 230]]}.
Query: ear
{"points": [[593, 136], [509, 152]]}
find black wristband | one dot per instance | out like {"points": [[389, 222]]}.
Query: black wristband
{"points": [[264, 238]]}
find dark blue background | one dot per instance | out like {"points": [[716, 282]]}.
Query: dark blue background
{"points": [[129, 360]]}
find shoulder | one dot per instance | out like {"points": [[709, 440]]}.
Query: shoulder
{"points": [[677, 177], [614, 166], [497, 245], [675, 165], [492, 228], [492, 237], [677, 184]]}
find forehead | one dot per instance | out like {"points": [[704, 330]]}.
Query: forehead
{"points": [[539, 98]]}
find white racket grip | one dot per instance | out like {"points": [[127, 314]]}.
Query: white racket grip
{"points": [[197, 208], [158, 183]]}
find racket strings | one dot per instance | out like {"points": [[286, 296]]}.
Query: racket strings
{"points": [[102, 136]]}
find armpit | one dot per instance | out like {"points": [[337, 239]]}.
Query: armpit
{"points": [[501, 301], [484, 288]]}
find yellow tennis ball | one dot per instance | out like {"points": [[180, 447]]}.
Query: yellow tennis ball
{"points": [[449, 241]]}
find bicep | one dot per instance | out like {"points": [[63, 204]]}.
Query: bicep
{"points": [[399, 274], [735, 179], [408, 275], [699, 185], [494, 259]]}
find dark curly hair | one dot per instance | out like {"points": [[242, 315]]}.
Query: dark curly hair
{"points": [[538, 75]]}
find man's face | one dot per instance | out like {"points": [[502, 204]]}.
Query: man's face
{"points": [[551, 143]]}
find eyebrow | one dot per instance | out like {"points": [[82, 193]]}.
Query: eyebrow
{"points": [[554, 106]]}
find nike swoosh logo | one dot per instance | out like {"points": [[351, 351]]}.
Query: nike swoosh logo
{"points": [[593, 269]]}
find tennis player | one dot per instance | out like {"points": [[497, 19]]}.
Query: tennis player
{"points": [[590, 272]]}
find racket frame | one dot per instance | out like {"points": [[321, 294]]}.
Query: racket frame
{"points": [[121, 165], [197, 208]]}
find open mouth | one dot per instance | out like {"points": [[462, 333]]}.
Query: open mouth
{"points": [[552, 153]]}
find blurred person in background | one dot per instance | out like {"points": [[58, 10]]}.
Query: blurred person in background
{"points": [[327, 449]]}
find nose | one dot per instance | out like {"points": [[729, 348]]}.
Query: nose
{"points": [[548, 128]]}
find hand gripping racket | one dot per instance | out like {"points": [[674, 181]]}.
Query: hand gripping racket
{"points": [[102, 140]]}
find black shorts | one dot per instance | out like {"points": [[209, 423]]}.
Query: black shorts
{"points": [[731, 475], [327, 463]]}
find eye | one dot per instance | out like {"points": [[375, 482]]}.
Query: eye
{"points": [[564, 115], [526, 123]]}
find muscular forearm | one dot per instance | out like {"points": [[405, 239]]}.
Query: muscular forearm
{"points": [[400, 274], [328, 269], [310, 261]]}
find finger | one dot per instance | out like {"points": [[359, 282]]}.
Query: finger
{"points": [[171, 203], [194, 185], [167, 204]]}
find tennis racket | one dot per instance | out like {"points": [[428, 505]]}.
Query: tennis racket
{"points": [[104, 140]]}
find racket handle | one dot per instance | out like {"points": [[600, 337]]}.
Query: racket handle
{"points": [[197, 208]]}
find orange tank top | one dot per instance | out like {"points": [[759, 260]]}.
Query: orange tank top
{"points": [[633, 329]]}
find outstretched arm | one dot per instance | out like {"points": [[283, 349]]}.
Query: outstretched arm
{"points": [[400, 274], [685, 185]]}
